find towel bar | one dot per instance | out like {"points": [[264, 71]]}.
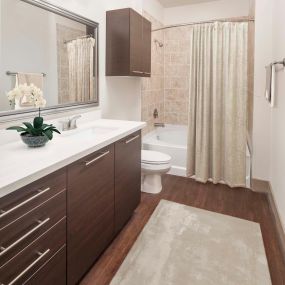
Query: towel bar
{"points": [[279, 62], [10, 73]]}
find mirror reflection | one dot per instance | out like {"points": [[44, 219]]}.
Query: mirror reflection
{"points": [[46, 60]]}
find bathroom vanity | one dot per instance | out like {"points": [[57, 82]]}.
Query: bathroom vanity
{"points": [[53, 229]]}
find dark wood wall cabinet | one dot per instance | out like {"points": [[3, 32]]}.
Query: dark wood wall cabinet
{"points": [[128, 44], [53, 230]]}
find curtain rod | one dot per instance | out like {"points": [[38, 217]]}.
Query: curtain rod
{"points": [[238, 20], [78, 38]]}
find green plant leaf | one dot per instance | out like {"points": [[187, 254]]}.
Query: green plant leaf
{"points": [[44, 126], [18, 129], [28, 125], [48, 134], [38, 122], [56, 131]]}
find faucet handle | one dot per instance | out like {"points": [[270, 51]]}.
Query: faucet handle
{"points": [[73, 121]]}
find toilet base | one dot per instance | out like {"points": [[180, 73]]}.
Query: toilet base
{"points": [[151, 183]]}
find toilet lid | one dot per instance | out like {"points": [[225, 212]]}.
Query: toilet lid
{"points": [[155, 157]]}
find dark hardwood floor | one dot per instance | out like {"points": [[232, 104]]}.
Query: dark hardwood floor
{"points": [[240, 203]]}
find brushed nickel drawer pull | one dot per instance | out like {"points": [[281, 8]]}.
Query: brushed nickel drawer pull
{"points": [[136, 71], [87, 163], [41, 256], [6, 249], [132, 139], [40, 192], [148, 73]]}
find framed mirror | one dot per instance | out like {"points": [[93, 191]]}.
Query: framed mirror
{"points": [[48, 58]]}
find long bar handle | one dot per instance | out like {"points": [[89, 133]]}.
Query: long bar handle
{"points": [[139, 72], [87, 163], [41, 256], [6, 249], [132, 139], [40, 192]]}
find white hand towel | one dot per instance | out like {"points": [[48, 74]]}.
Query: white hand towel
{"points": [[268, 82], [272, 97]]}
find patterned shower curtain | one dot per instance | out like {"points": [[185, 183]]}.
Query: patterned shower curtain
{"points": [[81, 64], [218, 103]]}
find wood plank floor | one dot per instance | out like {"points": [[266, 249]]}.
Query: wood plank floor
{"points": [[239, 203]]}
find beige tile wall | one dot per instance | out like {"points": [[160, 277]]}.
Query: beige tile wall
{"points": [[177, 66], [153, 87], [167, 89]]}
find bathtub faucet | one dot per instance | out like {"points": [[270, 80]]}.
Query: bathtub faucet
{"points": [[159, 125]]}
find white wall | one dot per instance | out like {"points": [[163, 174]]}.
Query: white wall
{"points": [[261, 113], [206, 11], [277, 171], [154, 8]]}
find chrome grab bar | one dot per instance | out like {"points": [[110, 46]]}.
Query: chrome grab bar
{"points": [[6, 249], [132, 139], [40, 192], [87, 163], [41, 256]]}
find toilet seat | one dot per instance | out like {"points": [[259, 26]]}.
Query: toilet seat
{"points": [[147, 167], [150, 157]]}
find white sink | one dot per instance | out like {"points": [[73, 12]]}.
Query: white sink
{"points": [[90, 132]]}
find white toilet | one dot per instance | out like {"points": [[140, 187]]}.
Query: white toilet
{"points": [[154, 164]]}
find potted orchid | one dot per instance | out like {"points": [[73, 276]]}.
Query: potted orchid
{"points": [[34, 134], [24, 95]]}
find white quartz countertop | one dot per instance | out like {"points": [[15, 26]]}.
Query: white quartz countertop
{"points": [[21, 165]]}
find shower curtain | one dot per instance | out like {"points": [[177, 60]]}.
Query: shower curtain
{"points": [[81, 63], [218, 91]]}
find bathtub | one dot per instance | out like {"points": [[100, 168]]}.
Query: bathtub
{"points": [[172, 140]]}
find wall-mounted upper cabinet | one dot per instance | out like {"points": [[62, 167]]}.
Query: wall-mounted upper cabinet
{"points": [[128, 44]]}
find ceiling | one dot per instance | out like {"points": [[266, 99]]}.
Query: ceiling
{"points": [[174, 3]]}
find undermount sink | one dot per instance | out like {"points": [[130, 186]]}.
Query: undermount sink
{"points": [[88, 132]]}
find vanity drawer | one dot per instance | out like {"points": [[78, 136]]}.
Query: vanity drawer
{"points": [[25, 199], [27, 262], [23, 231], [53, 272]]}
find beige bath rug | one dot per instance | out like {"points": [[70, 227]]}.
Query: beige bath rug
{"points": [[181, 245]]}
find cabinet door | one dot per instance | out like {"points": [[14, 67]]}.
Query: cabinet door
{"points": [[136, 42], [127, 178], [146, 58], [90, 200]]}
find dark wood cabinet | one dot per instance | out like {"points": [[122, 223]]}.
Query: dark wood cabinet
{"points": [[53, 230], [127, 178], [128, 44], [33, 229], [90, 211]]}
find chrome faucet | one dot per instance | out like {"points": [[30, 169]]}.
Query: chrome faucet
{"points": [[70, 123]]}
